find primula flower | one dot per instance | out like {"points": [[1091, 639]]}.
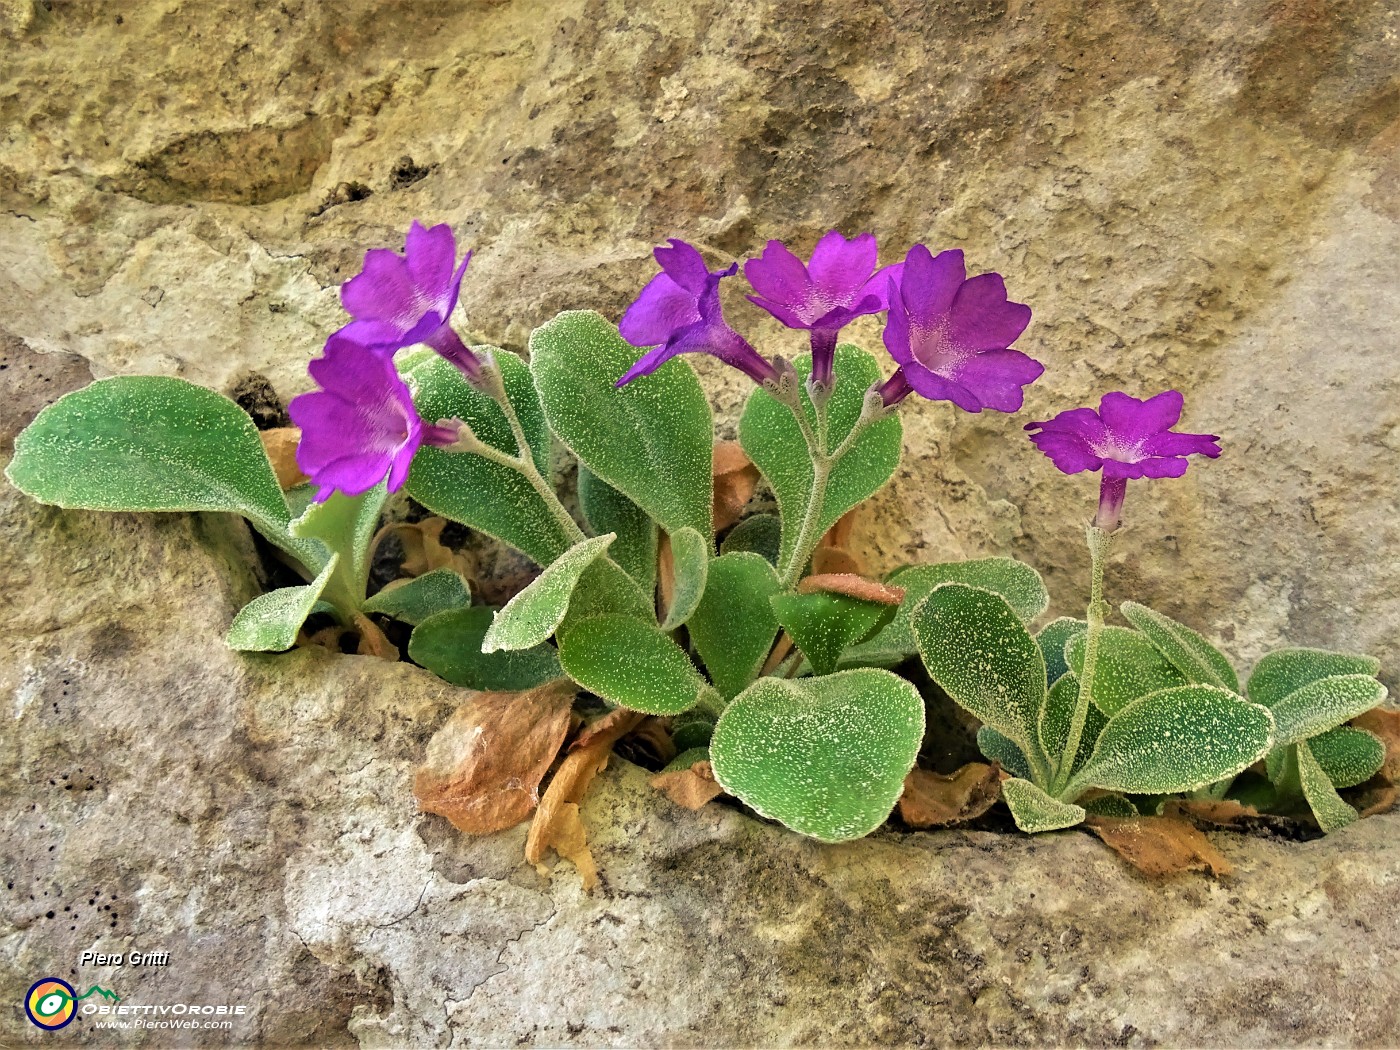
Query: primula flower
{"points": [[361, 424], [824, 295], [1126, 438], [950, 336], [678, 312], [409, 299]]}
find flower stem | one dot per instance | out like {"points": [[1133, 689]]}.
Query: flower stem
{"points": [[1099, 543]]}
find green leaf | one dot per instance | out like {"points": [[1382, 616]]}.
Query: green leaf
{"points": [[1348, 755], [734, 626], [686, 759], [692, 729], [1327, 806], [1323, 705], [1015, 581], [422, 597], [605, 588], [345, 525], [533, 614], [1287, 670], [270, 622], [1176, 740], [449, 645], [631, 664], [826, 756], [651, 440], [997, 748], [1052, 639], [761, 534], [771, 437], [980, 653], [489, 497], [1034, 811], [1128, 666], [152, 443], [825, 625], [690, 560], [1201, 662], [607, 510], [1056, 717], [1111, 805]]}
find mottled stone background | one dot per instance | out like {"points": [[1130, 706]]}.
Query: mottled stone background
{"points": [[1194, 194]]}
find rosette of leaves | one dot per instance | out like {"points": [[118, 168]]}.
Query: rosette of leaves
{"points": [[1152, 726]]}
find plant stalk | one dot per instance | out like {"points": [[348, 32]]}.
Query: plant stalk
{"points": [[1099, 543]]}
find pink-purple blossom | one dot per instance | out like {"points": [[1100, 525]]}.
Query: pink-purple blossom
{"points": [[1126, 438], [361, 425], [678, 312], [409, 298], [951, 336], [824, 295]]}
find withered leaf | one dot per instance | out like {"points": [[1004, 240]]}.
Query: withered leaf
{"points": [[852, 586], [933, 800], [665, 570], [827, 560], [280, 444], [1159, 846], [735, 479], [840, 534], [778, 655], [1386, 725], [372, 640], [423, 549], [691, 788], [1223, 812], [484, 766]]}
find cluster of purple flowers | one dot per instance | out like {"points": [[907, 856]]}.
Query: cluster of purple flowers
{"points": [[950, 336]]}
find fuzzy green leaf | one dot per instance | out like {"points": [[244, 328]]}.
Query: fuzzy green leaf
{"points": [[449, 645], [605, 588], [825, 625], [1128, 666], [1056, 716], [533, 614], [1348, 755], [1052, 639], [631, 664], [490, 497], [771, 437], [1287, 670], [978, 650], [422, 597], [1111, 805], [1323, 705], [761, 534], [690, 559], [1327, 806], [734, 626], [1034, 811], [997, 748], [1201, 662], [826, 756], [692, 729], [1176, 740], [651, 440], [607, 510], [687, 758], [346, 525], [270, 622]]}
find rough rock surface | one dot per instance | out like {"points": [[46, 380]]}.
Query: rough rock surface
{"points": [[1188, 194]]}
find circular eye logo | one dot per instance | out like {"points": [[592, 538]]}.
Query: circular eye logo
{"points": [[50, 1003]]}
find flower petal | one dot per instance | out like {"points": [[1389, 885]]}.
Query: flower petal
{"points": [[383, 290], [839, 268], [430, 255], [931, 385], [662, 308], [982, 319], [997, 377], [929, 284], [1132, 422], [684, 264]]}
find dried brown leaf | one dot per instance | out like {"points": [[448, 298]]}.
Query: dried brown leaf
{"points": [[829, 560], [373, 641], [852, 586], [691, 788], [840, 534], [735, 478], [778, 655], [484, 766], [932, 799], [1377, 800], [280, 444], [1223, 813], [665, 571], [1385, 723], [1160, 846], [423, 549]]}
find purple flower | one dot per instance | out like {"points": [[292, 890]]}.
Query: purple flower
{"points": [[1126, 438], [361, 424], [409, 299], [824, 295], [678, 313], [950, 336]]}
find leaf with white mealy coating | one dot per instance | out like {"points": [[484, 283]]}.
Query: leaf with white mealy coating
{"points": [[1128, 666], [422, 597], [1286, 670], [997, 748], [533, 614], [1176, 740], [652, 439], [771, 437], [826, 756], [345, 525], [1052, 639], [1201, 662], [824, 625], [631, 664], [470, 489], [449, 645], [690, 560], [1323, 705], [270, 622], [760, 534], [1348, 755], [1058, 713], [1034, 811], [734, 626], [1331, 812], [607, 510], [979, 652]]}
